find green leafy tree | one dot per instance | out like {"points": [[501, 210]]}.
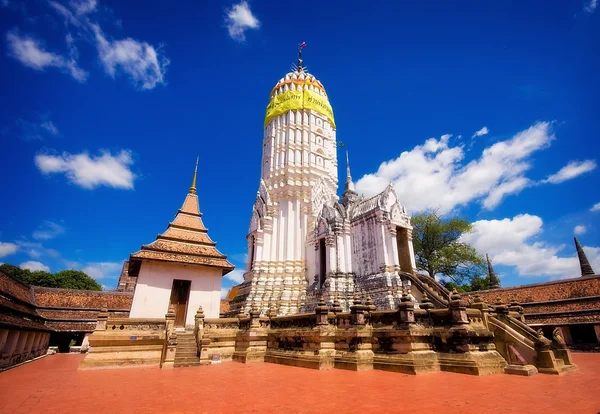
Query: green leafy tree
{"points": [[65, 279], [439, 250], [76, 279], [45, 279]]}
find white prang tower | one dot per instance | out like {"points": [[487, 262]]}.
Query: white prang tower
{"points": [[298, 176]]}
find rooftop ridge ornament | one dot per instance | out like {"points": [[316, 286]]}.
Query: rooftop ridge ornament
{"points": [[300, 47], [193, 186], [584, 264]]}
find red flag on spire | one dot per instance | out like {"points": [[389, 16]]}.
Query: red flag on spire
{"points": [[302, 45]]}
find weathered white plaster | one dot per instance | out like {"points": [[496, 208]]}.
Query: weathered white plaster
{"points": [[155, 281]]}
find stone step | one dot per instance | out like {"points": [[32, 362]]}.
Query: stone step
{"points": [[560, 363], [193, 354], [186, 348], [187, 364]]}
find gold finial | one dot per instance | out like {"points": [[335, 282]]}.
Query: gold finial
{"points": [[193, 187]]}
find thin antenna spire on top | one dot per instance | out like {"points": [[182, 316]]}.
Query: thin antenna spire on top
{"points": [[193, 186], [300, 47]]}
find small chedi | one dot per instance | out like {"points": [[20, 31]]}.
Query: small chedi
{"points": [[329, 283]]}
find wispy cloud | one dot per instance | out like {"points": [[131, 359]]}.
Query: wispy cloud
{"points": [[48, 230], [139, 60], [579, 230], [6, 249], [30, 131], [590, 6], [239, 19], [35, 250], [595, 207], [482, 131], [144, 64], [31, 53], [103, 270], [571, 170], [91, 171], [34, 266]]}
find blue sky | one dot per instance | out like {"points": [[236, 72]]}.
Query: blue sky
{"points": [[483, 109]]}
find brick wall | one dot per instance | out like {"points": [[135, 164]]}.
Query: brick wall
{"points": [[544, 292]]}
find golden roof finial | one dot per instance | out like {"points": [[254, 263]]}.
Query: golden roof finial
{"points": [[193, 187]]}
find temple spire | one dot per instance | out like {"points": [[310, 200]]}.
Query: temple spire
{"points": [[193, 187], [584, 264], [494, 282], [349, 186]]}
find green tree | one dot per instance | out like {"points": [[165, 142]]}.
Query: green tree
{"points": [[76, 279], [45, 279], [22, 275], [65, 279], [439, 250]]}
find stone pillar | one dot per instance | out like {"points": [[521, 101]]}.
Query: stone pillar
{"points": [[321, 312], [458, 310], [357, 311], [102, 320], [406, 310], [597, 331], [3, 338], [201, 342], [170, 339]]}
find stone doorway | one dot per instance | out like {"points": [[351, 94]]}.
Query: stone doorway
{"points": [[403, 249], [180, 294]]}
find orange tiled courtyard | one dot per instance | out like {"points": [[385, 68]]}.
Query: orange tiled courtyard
{"points": [[53, 385]]}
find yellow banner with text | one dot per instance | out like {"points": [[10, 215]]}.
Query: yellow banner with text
{"points": [[295, 100]]}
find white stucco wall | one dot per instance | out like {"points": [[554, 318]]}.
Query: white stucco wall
{"points": [[153, 290]]}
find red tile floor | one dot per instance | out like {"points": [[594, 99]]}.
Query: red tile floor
{"points": [[53, 385]]}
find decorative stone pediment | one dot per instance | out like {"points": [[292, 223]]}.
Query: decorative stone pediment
{"points": [[255, 222], [323, 227], [263, 192]]}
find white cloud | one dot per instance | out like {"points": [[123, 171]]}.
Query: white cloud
{"points": [[82, 7], [571, 170], [433, 175], [144, 65], [595, 207], [224, 292], [580, 229], [235, 275], [239, 19], [482, 131], [48, 230], [590, 7], [30, 53], [515, 242], [6, 249], [90, 172], [34, 266], [103, 270]]}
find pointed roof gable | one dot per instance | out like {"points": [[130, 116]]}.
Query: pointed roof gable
{"points": [[186, 240]]}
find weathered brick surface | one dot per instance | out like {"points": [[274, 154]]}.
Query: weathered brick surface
{"points": [[543, 292], [579, 305], [14, 288], [82, 299]]}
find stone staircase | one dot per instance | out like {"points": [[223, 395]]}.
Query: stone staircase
{"points": [[186, 354]]}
